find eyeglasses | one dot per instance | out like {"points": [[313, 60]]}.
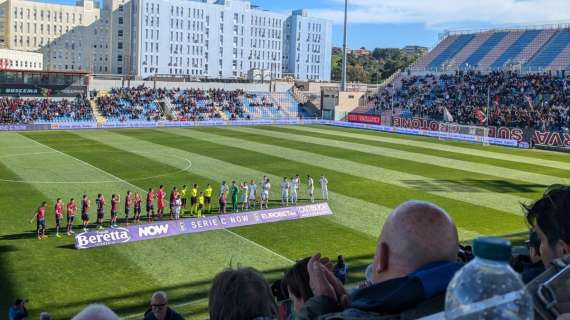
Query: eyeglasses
{"points": [[158, 305]]}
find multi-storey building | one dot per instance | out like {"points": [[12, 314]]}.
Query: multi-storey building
{"points": [[199, 38], [222, 39], [29, 25], [308, 46]]}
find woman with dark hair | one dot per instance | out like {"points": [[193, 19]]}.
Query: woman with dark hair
{"points": [[341, 269], [241, 294], [296, 282]]}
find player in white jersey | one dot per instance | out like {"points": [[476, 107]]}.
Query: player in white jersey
{"points": [[223, 188], [252, 195], [324, 187], [294, 190], [285, 192], [311, 188], [265, 187], [244, 195]]}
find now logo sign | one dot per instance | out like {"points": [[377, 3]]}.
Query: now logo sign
{"points": [[152, 231]]}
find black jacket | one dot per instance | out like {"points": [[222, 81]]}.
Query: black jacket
{"points": [[418, 294]]}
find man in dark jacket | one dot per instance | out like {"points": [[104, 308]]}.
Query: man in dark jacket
{"points": [[415, 259], [159, 309]]}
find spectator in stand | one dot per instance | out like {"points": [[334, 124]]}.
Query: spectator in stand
{"points": [[159, 309], [241, 294], [45, 316], [296, 283], [341, 269], [18, 310], [96, 312], [415, 259], [540, 101], [23, 111], [550, 218], [535, 266]]}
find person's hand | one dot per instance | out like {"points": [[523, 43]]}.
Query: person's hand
{"points": [[324, 283]]}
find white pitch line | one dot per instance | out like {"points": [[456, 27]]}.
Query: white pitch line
{"points": [[137, 187]]}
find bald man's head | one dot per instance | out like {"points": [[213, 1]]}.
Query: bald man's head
{"points": [[415, 234]]}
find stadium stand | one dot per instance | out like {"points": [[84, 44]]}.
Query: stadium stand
{"points": [[541, 101], [451, 51], [531, 49], [41, 111]]}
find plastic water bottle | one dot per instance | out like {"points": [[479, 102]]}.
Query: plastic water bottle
{"points": [[487, 287]]}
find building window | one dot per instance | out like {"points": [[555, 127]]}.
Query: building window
{"points": [[120, 20], [120, 58], [120, 33], [120, 45], [119, 70]]}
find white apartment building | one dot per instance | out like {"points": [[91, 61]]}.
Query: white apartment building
{"points": [[197, 38]]}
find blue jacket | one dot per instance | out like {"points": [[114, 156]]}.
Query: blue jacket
{"points": [[422, 292]]}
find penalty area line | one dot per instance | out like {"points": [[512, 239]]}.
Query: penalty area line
{"points": [[139, 188]]}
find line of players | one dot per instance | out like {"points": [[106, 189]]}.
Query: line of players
{"points": [[199, 200]]}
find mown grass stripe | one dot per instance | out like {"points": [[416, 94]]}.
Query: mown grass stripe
{"points": [[175, 252], [422, 145], [435, 178], [501, 202], [82, 269], [216, 171], [213, 172], [534, 168], [356, 187], [417, 157], [535, 153]]}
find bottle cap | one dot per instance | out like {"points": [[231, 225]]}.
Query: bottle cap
{"points": [[492, 248]]}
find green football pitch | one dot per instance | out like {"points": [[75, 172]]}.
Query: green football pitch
{"points": [[369, 174]]}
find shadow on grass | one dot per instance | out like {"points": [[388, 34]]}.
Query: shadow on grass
{"points": [[7, 294], [191, 291], [474, 185]]}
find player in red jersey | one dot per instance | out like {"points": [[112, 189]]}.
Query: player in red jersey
{"points": [[58, 215], [138, 201], [160, 201], [85, 206], [115, 199], [40, 217], [128, 206], [100, 202], [173, 196], [150, 205], [71, 206]]}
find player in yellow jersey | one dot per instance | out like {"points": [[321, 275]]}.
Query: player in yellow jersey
{"points": [[201, 201], [208, 197], [194, 199], [184, 198]]}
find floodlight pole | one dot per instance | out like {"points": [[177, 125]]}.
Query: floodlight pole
{"points": [[344, 58]]}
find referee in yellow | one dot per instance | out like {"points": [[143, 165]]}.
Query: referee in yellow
{"points": [[200, 203], [208, 197], [194, 199], [184, 197]]}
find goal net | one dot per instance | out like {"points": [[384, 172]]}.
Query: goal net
{"points": [[451, 131]]}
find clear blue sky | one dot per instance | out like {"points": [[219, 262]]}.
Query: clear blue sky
{"points": [[396, 23]]}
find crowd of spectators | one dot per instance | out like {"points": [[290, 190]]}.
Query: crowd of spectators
{"points": [[146, 104], [540, 101], [416, 256], [134, 103], [33, 110]]}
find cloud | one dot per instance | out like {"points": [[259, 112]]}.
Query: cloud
{"points": [[436, 13]]}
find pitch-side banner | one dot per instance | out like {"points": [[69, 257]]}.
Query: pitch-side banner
{"points": [[112, 236]]}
